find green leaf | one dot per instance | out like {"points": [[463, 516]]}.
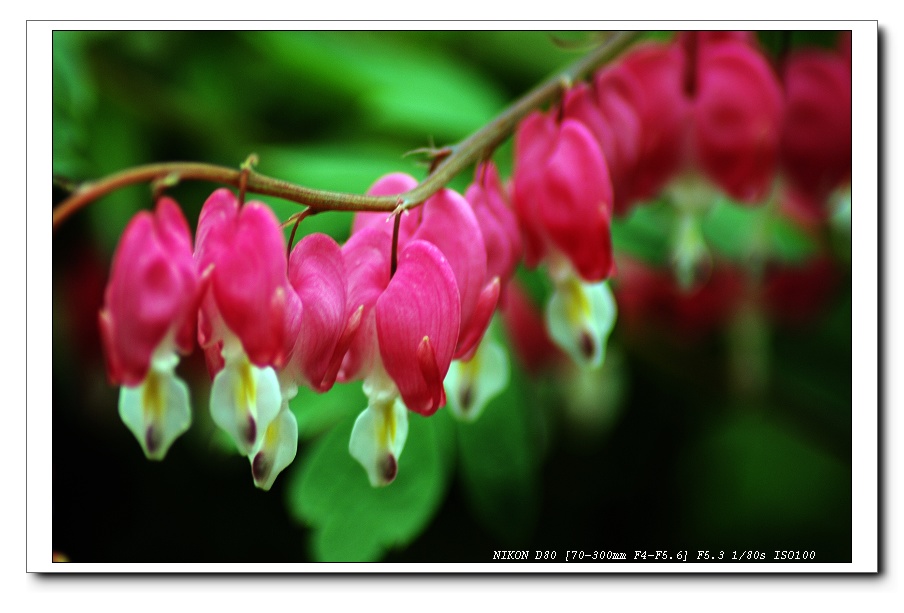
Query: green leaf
{"points": [[789, 243], [737, 231], [645, 233], [499, 458], [354, 522], [401, 85], [760, 483]]}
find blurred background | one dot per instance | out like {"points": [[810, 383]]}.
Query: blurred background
{"points": [[721, 419]]}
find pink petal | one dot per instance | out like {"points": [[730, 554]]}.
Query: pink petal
{"points": [[317, 273], [737, 119], [417, 323], [497, 221], [476, 327], [248, 280], [817, 136], [577, 202], [389, 185], [449, 223], [534, 141], [152, 293], [366, 257], [659, 102]]}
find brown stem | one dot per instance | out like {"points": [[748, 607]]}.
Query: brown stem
{"points": [[477, 146], [394, 254]]}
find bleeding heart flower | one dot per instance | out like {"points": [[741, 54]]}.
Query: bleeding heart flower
{"points": [[404, 345], [563, 195], [148, 315], [737, 119], [817, 137], [249, 314]]}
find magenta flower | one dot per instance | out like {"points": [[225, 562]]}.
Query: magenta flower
{"points": [[148, 315], [563, 195], [817, 136], [647, 81], [404, 344], [249, 317], [498, 224], [317, 274], [737, 119]]}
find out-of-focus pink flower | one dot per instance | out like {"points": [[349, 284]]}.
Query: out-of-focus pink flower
{"points": [[816, 143], [650, 299], [737, 118], [796, 294], [563, 195], [649, 78]]}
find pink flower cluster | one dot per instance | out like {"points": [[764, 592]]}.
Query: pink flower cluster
{"points": [[704, 112], [268, 324]]}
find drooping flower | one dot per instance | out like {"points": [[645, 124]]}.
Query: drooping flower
{"points": [[475, 378], [498, 224], [149, 316], [737, 118], [404, 344], [817, 133], [563, 197], [249, 314]]}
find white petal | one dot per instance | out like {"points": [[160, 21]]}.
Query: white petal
{"points": [[580, 317], [276, 449], [157, 411], [471, 385], [244, 399], [378, 439]]}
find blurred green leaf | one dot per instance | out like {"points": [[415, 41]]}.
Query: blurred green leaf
{"points": [[737, 232], [354, 522], [645, 233], [401, 86], [763, 485], [499, 458]]}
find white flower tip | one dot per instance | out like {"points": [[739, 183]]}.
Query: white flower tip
{"points": [[156, 411], [276, 449], [377, 440]]}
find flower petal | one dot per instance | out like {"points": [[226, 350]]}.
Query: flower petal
{"points": [[449, 223], [317, 274], [366, 257], [471, 384], [244, 399], [580, 317], [152, 294], [157, 411], [246, 250], [421, 302], [378, 438], [389, 185], [276, 449], [577, 202]]}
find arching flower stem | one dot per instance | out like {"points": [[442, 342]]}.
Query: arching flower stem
{"points": [[476, 147]]}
